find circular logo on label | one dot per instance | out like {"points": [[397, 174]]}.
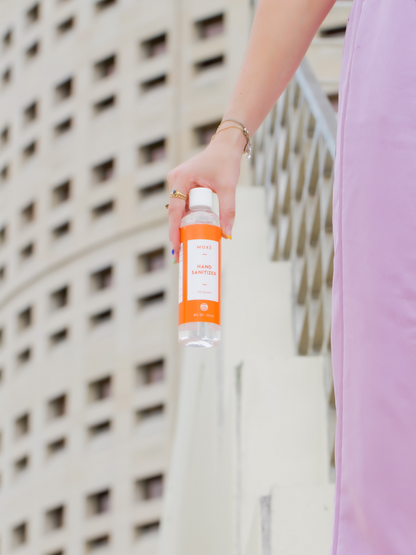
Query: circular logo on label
{"points": [[204, 306]]}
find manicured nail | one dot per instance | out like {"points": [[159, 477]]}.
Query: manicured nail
{"points": [[173, 251], [228, 232], [174, 261], [228, 236]]}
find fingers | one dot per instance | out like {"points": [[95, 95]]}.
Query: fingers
{"points": [[226, 199], [177, 210]]}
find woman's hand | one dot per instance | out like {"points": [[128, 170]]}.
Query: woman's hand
{"points": [[218, 168]]}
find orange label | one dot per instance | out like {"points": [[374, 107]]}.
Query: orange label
{"points": [[200, 274]]}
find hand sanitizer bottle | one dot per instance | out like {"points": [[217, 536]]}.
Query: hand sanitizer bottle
{"points": [[200, 272]]}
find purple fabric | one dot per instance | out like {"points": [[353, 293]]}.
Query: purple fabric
{"points": [[373, 331]]}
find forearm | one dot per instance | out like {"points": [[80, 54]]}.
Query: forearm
{"points": [[281, 33]]}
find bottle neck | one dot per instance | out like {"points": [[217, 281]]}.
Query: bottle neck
{"points": [[201, 207]]}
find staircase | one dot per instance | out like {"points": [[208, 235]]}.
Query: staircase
{"points": [[250, 469]]}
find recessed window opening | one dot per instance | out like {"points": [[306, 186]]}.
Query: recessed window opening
{"points": [[5, 135], [4, 173], [105, 68], [2, 273], [27, 214], [33, 14], [102, 5], [210, 26], [65, 26], [97, 543], [156, 46], [63, 127], [29, 151], [99, 429], [153, 189], [152, 152], [104, 171], [102, 279], [101, 317], [25, 318], [32, 51], [152, 261], [64, 90], [22, 425], [3, 235], [20, 534], [6, 76], [31, 112], [61, 193], [61, 230], [153, 84], [151, 414], [151, 300], [103, 209], [152, 372], [27, 252], [24, 357], [100, 389], [150, 488], [148, 529], [98, 503], [104, 105], [59, 298], [333, 31], [209, 63], [58, 337], [56, 446], [7, 39], [54, 518], [203, 133], [21, 464], [57, 407]]}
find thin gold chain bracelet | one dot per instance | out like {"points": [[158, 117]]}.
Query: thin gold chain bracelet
{"points": [[243, 129]]}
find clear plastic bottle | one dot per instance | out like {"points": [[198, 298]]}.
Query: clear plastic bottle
{"points": [[200, 301]]}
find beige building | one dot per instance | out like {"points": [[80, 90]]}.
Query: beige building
{"points": [[98, 100]]}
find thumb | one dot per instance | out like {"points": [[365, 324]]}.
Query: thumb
{"points": [[226, 199]]}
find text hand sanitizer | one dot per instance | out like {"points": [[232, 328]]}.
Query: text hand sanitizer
{"points": [[200, 272]]}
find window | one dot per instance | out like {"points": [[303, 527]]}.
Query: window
{"points": [[153, 189], [61, 230], [31, 112], [152, 261], [61, 193], [101, 5], [156, 46], [5, 135], [148, 529], [101, 318], [59, 298], [7, 39], [56, 446], [104, 171], [21, 465], [153, 84], [54, 518], [102, 279], [29, 151], [99, 429], [63, 127], [338, 31], [98, 503], [203, 133], [27, 214], [209, 63], [64, 90], [100, 389], [6, 76], [32, 51], [97, 543], [27, 252], [57, 407], [20, 534], [23, 357], [104, 105], [103, 209], [4, 173], [210, 27], [22, 425], [2, 273], [106, 67], [3, 235], [150, 415], [25, 318], [153, 151], [65, 26], [58, 337], [152, 372], [150, 300], [33, 14], [150, 488], [333, 99]]}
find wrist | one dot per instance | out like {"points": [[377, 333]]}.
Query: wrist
{"points": [[231, 138]]}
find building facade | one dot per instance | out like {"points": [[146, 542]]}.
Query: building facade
{"points": [[98, 100]]}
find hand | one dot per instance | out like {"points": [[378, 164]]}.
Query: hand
{"points": [[218, 168]]}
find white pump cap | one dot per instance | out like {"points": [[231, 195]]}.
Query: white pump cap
{"points": [[200, 196]]}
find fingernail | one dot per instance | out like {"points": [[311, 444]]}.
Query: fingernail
{"points": [[173, 251], [228, 236], [228, 231], [174, 261]]}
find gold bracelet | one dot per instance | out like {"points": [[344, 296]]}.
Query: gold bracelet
{"points": [[243, 129]]}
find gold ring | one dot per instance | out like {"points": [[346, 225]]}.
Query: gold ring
{"points": [[177, 194]]}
